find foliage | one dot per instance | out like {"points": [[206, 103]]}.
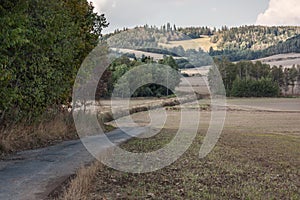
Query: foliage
{"points": [[42, 46], [247, 79], [248, 87], [253, 37], [236, 43], [197, 32], [291, 45], [123, 64]]}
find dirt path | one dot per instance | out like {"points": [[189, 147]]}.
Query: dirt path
{"points": [[34, 174]]}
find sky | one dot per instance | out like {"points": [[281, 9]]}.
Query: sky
{"points": [[212, 13]]}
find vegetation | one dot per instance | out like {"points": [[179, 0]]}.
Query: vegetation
{"points": [[291, 45], [254, 88], [43, 44], [190, 58], [248, 79], [141, 37], [122, 65], [197, 32], [253, 37], [237, 43]]}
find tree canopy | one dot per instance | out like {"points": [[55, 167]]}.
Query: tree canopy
{"points": [[248, 79], [42, 45]]}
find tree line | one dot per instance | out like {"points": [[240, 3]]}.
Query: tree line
{"points": [[122, 84], [291, 45], [42, 45], [248, 79]]}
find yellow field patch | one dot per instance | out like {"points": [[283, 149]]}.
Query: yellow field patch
{"points": [[203, 43]]}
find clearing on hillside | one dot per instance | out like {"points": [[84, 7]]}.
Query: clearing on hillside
{"points": [[203, 43]]}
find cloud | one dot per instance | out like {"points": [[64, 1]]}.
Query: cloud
{"points": [[99, 5], [280, 12], [214, 9]]}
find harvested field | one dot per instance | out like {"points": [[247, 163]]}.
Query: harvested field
{"points": [[257, 157]]}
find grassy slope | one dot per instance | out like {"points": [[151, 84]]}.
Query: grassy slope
{"points": [[203, 43]]}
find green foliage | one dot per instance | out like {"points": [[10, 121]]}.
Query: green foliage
{"points": [[248, 87], [197, 32], [291, 45], [247, 79], [254, 37], [123, 64], [237, 43], [42, 46]]}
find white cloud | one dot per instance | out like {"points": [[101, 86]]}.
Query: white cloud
{"points": [[214, 9], [114, 4], [99, 5], [280, 12]]}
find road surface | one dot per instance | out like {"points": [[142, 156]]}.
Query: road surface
{"points": [[34, 174]]}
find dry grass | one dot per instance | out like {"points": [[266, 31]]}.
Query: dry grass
{"points": [[46, 132], [203, 43], [79, 187]]}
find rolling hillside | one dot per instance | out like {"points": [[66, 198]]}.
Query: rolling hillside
{"points": [[236, 38], [238, 43]]}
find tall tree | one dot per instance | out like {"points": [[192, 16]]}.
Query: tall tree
{"points": [[42, 46]]}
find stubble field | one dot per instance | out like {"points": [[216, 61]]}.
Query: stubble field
{"points": [[256, 157]]}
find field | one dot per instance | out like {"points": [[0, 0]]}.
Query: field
{"points": [[285, 60], [139, 54], [203, 43], [257, 157]]}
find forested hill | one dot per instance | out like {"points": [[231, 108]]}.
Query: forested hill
{"points": [[237, 43], [290, 45], [253, 37], [236, 38]]}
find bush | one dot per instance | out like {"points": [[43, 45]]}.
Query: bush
{"points": [[254, 88]]}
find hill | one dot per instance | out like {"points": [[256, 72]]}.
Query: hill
{"points": [[253, 37], [236, 38], [237, 43], [291, 45]]}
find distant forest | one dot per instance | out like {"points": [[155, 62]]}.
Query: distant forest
{"points": [[238, 43], [291, 45], [248, 79]]}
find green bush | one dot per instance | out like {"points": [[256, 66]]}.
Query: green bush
{"points": [[254, 88]]}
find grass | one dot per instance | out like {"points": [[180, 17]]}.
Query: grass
{"points": [[46, 132], [53, 129], [203, 43], [79, 186], [249, 162]]}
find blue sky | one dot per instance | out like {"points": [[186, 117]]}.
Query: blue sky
{"points": [[213, 13]]}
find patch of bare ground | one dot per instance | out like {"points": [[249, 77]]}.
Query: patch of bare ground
{"points": [[257, 157]]}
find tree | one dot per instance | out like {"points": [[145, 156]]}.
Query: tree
{"points": [[277, 75], [293, 73], [43, 44], [247, 79]]}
